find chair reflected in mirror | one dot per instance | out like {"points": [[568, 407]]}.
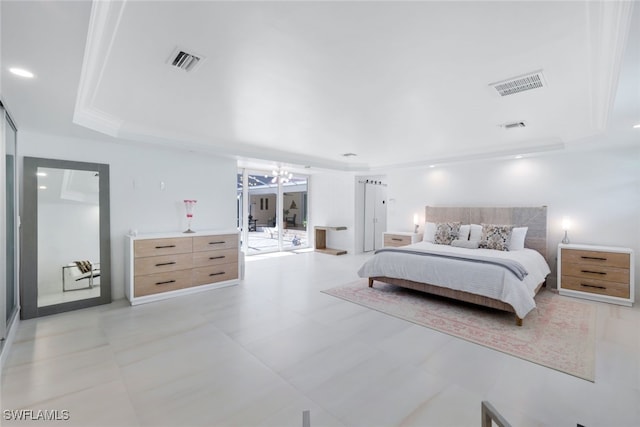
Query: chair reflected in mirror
{"points": [[80, 273]]}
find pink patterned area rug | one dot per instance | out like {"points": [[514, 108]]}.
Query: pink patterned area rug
{"points": [[559, 333]]}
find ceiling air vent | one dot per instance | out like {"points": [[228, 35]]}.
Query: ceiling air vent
{"points": [[184, 60], [519, 84]]}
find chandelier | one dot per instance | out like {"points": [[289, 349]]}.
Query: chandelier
{"points": [[282, 176]]}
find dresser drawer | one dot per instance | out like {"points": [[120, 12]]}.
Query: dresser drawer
{"points": [[608, 259], [594, 286], [595, 272], [209, 243], [216, 273], [160, 264], [162, 282], [154, 247], [395, 240], [223, 256]]}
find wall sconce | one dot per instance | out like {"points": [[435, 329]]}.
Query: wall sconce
{"points": [[415, 223], [566, 225]]}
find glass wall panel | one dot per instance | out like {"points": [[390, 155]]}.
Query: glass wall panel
{"points": [[8, 226], [295, 234], [272, 213], [11, 231], [262, 219]]}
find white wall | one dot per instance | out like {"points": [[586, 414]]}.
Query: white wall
{"points": [[598, 190], [332, 203], [137, 199]]}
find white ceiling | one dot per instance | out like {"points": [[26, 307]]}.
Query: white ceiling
{"points": [[302, 83]]}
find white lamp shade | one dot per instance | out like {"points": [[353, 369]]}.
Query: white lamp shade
{"points": [[566, 223]]}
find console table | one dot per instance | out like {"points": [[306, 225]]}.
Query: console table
{"points": [[321, 240]]}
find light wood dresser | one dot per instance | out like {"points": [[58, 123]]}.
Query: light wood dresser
{"points": [[600, 273], [400, 238], [165, 265]]}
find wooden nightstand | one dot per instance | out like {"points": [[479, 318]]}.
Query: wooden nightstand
{"points": [[400, 238], [600, 273]]}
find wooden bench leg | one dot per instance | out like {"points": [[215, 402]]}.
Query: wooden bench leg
{"points": [[370, 282], [518, 321]]}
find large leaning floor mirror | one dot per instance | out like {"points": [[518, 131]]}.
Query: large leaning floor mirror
{"points": [[66, 247]]}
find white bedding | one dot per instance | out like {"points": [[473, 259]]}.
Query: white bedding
{"points": [[477, 278]]}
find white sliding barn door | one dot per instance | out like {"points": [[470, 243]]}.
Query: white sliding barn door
{"points": [[375, 215]]}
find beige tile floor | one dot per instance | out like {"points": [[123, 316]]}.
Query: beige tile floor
{"points": [[260, 353]]}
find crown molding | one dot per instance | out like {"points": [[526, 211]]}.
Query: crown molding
{"points": [[608, 23], [103, 25], [500, 152]]}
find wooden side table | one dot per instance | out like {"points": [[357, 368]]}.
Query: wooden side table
{"points": [[400, 238], [600, 273], [321, 240]]}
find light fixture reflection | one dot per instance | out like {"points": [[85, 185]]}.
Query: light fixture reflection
{"points": [[21, 72]]}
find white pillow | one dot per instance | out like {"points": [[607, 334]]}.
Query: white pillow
{"points": [[469, 244], [429, 232], [476, 232], [463, 234], [518, 235]]}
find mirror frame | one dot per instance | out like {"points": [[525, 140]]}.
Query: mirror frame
{"points": [[29, 238]]}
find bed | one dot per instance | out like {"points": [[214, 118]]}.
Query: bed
{"points": [[503, 280]]}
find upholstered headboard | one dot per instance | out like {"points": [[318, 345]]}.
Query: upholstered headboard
{"points": [[533, 217]]}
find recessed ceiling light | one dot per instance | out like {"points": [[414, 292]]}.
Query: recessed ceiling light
{"points": [[21, 72], [519, 156], [43, 187], [432, 166], [636, 126]]}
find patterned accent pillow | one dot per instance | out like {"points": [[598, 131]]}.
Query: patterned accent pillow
{"points": [[446, 232], [496, 236]]}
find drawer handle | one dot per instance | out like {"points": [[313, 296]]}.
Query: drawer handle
{"points": [[596, 258], [217, 243], [593, 272], [216, 274], [217, 257], [593, 286], [165, 263], [396, 239], [167, 282], [164, 247]]}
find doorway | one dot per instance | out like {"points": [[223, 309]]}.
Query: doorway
{"points": [[374, 212], [272, 211]]}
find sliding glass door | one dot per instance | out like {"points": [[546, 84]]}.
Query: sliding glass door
{"points": [[272, 211], [262, 196], [294, 231], [9, 231]]}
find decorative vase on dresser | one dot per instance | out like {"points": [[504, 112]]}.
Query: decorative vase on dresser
{"points": [[600, 273], [165, 265]]}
